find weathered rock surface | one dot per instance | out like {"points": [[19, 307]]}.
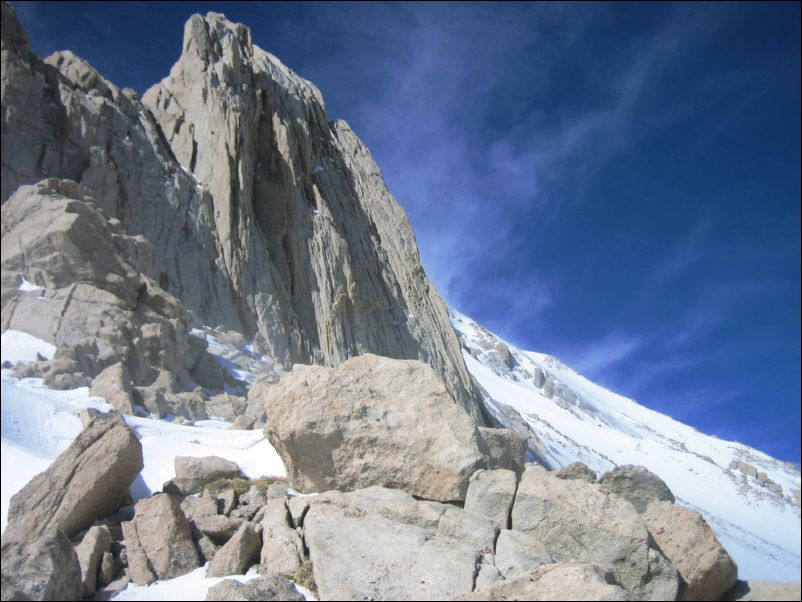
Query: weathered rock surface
{"points": [[690, 544], [237, 555], [765, 590], [503, 449], [359, 426], [90, 552], [578, 522], [637, 485], [159, 541], [89, 480], [47, 568], [191, 474], [261, 588], [518, 553], [114, 385], [101, 304], [282, 550], [218, 527], [491, 494], [263, 215], [554, 582], [382, 544], [577, 470]]}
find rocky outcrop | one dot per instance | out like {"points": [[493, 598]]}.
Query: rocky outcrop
{"points": [[114, 385], [43, 568], [578, 522], [554, 582], [359, 425], [690, 544], [263, 216], [261, 588], [637, 485], [89, 480], [101, 305], [159, 541]]}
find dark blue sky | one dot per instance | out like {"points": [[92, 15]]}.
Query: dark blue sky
{"points": [[617, 185]]}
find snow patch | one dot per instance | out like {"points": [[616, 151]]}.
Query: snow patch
{"points": [[22, 348]]}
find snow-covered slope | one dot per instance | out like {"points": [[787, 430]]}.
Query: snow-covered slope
{"points": [[571, 419]]}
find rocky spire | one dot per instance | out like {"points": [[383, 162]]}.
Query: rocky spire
{"points": [[263, 215]]}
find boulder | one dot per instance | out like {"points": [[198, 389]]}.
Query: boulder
{"points": [[114, 385], [764, 590], [579, 522], [637, 485], [690, 544], [359, 425], [577, 470], [159, 541], [90, 552], [282, 550], [554, 582], [261, 588], [237, 555], [382, 544], [89, 480], [47, 568], [191, 474], [491, 494]]}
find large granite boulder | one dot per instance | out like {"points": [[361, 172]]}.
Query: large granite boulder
{"points": [[576, 521], [690, 544], [382, 544], [159, 541], [191, 474], [636, 484], [360, 426], [89, 480], [45, 568]]}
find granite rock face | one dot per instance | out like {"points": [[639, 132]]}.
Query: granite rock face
{"points": [[99, 303], [382, 544], [262, 215], [360, 425]]}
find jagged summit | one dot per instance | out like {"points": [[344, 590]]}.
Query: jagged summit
{"points": [[263, 216]]}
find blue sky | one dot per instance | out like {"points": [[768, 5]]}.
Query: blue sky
{"points": [[617, 185]]}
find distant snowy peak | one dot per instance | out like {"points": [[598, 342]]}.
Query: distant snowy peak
{"points": [[750, 498]]}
